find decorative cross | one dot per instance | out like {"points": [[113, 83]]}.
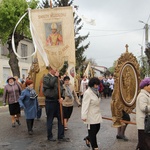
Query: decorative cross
{"points": [[127, 48]]}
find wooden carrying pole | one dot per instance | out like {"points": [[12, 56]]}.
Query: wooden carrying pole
{"points": [[59, 93], [60, 104], [124, 121]]}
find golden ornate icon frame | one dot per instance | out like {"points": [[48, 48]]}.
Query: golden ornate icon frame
{"points": [[126, 87]]}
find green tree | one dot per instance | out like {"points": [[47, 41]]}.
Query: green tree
{"points": [[10, 13], [144, 68], [112, 69]]}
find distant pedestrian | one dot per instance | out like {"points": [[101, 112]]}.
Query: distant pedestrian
{"points": [[11, 93], [101, 87], [28, 101], [40, 95], [106, 88], [23, 79], [68, 102], [83, 86], [90, 112], [143, 100], [111, 85]]}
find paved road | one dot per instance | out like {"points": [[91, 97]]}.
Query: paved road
{"points": [[18, 139]]}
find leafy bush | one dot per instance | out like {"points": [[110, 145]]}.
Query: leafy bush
{"points": [[1, 91]]}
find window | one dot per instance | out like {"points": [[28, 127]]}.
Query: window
{"points": [[6, 74], [4, 50], [24, 49], [24, 72]]}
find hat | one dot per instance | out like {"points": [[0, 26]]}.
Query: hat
{"points": [[28, 82], [10, 77], [144, 82], [53, 26], [66, 78]]}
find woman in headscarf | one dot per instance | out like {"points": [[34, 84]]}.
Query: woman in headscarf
{"points": [[90, 112], [11, 93], [28, 101], [68, 102], [143, 100]]}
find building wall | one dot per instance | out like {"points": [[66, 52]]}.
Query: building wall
{"points": [[24, 64]]}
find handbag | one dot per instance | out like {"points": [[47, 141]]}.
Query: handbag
{"points": [[147, 121]]}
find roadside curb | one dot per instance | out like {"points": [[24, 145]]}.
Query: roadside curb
{"points": [[3, 106]]}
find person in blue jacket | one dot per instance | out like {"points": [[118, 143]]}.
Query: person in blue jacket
{"points": [[28, 101]]}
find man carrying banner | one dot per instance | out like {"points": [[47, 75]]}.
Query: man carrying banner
{"points": [[52, 103]]}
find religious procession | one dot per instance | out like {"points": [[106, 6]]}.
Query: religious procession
{"points": [[53, 97]]}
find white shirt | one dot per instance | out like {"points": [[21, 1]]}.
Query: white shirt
{"points": [[84, 85], [111, 82]]}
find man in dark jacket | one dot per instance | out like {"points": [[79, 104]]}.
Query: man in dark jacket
{"points": [[52, 103]]}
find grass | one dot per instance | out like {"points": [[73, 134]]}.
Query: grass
{"points": [[1, 103]]}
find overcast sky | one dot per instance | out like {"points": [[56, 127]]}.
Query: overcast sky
{"points": [[117, 24]]}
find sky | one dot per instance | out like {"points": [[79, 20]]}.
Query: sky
{"points": [[117, 24]]}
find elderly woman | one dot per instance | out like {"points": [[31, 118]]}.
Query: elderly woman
{"points": [[28, 101], [68, 102], [90, 112], [11, 93], [143, 100]]}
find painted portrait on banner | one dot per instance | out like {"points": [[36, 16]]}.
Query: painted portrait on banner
{"points": [[53, 33]]}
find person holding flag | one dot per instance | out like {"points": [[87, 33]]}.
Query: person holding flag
{"points": [[51, 86]]}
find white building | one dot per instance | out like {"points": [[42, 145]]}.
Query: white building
{"points": [[25, 48], [99, 71]]}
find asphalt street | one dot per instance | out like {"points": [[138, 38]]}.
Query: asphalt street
{"points": [[18, 139]]}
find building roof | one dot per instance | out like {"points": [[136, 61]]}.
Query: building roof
{"points": [[102, 69]]}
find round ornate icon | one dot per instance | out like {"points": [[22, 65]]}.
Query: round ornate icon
{"points": [[128, 84]]}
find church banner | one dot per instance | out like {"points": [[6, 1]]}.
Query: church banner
{"points": [[52, 31]]}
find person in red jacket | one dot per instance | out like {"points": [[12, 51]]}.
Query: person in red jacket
{"points": [[101, 87]]}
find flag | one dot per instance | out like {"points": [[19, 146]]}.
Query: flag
{"points": [[53, 35], [88, 70]]}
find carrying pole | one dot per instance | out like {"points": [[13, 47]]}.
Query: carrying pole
{"points": [[124, 121], [60, 104], [51, 5]]}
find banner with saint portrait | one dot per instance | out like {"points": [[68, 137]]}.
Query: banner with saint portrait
{"points": [[52, 31]]}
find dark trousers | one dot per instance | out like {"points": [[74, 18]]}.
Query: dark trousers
{"points": [[92, 132], [110, 92], [53, 110], [39, 112], [30, 124], [143, 140]]}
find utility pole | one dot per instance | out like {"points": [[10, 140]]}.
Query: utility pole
{"points": [[141, 54], [147, 47], [146, 35]]}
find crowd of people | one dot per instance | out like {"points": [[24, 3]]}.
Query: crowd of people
{"points": [[59, 100], [105, 86]]}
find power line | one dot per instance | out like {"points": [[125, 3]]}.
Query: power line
{"points": [[110, 30], [116, 33]]}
